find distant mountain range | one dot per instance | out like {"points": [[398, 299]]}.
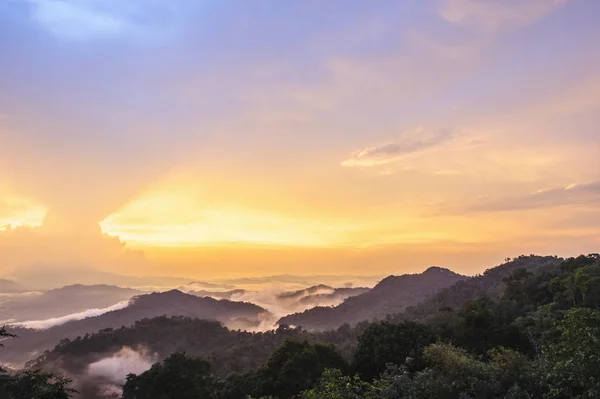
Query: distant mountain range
{"points": [[411, 296], [41, 277], [219, 294], [10, 287], [320, 295], [415, 297], [392, 295], [171, 303], [63, 301]]}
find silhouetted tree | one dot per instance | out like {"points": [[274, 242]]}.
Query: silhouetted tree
{"points": [[177, 377]]}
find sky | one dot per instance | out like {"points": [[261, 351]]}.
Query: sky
{"points": [[221, 138]]}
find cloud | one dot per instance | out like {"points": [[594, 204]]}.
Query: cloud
{"points": [[573, 194], [408, 144], [82, 20], [77, 20], [202, 285], [56, 321], [15, 212], [495, 15], [116, 367]]}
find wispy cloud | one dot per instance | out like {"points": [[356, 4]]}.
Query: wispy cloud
{"points": [[409, 143], [45, 324], [496, 15], [573, 194], [78, 20], [82, 20]]}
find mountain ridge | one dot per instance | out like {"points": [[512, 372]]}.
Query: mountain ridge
{"points": [[171, 303], [391, 295]]}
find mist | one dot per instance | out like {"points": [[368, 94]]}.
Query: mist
{"points": [[282, 300], [56, 321], [105, 377], [126, 361]]}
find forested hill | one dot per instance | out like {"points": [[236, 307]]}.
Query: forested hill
{"points": [[392, 295], [64, 301], [490, 283], [170, 303], [534, 333]]}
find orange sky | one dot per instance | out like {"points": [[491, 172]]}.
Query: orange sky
{"points": [[385, 140]]}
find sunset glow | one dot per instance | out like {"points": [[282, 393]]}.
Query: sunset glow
{"points": [[399, 135]]}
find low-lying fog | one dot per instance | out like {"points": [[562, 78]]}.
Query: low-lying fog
{"points": [[280, 295]]}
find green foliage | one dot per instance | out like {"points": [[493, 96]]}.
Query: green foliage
{"points": [[526, 329], [5, 334], [32, 383], [384, 343], [295, 367], [177, 377], [572, 362], [453, 373], [484, 324], [334, 385]]}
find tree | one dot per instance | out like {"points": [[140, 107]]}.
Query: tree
{"points": [[384, 343], [295, 367], [334, 385], [572, 363], [32, 383], [177, 377]]}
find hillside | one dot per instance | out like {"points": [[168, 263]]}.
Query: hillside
{"points": [[31, 343], [489, 283], [537, 316], [392, 295], [64, 301], [231, 350], [330, 298]]}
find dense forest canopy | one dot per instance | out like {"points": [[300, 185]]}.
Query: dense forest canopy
{"points": [[527, 329]]}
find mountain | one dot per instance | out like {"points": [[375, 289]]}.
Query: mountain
{"points": [[306, 280], [528, 303], [317, 289], [9, 287], [489, 283], [64, 301], [203, 285], [171, 303], [229, 351], [319, 295], [41, 276], [333, 298], [392, 295], [219, 294]]}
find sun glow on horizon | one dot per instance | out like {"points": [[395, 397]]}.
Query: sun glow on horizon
{"points": [[21, 212], [177, 215]]}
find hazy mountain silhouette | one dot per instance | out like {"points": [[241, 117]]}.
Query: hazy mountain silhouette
{"points": [[316, 289], [31, 342], [41, 276], [219, 294], [204, 285], [321, 295], [392, 295], [9, 287], [338, 294], [64, 301]]}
